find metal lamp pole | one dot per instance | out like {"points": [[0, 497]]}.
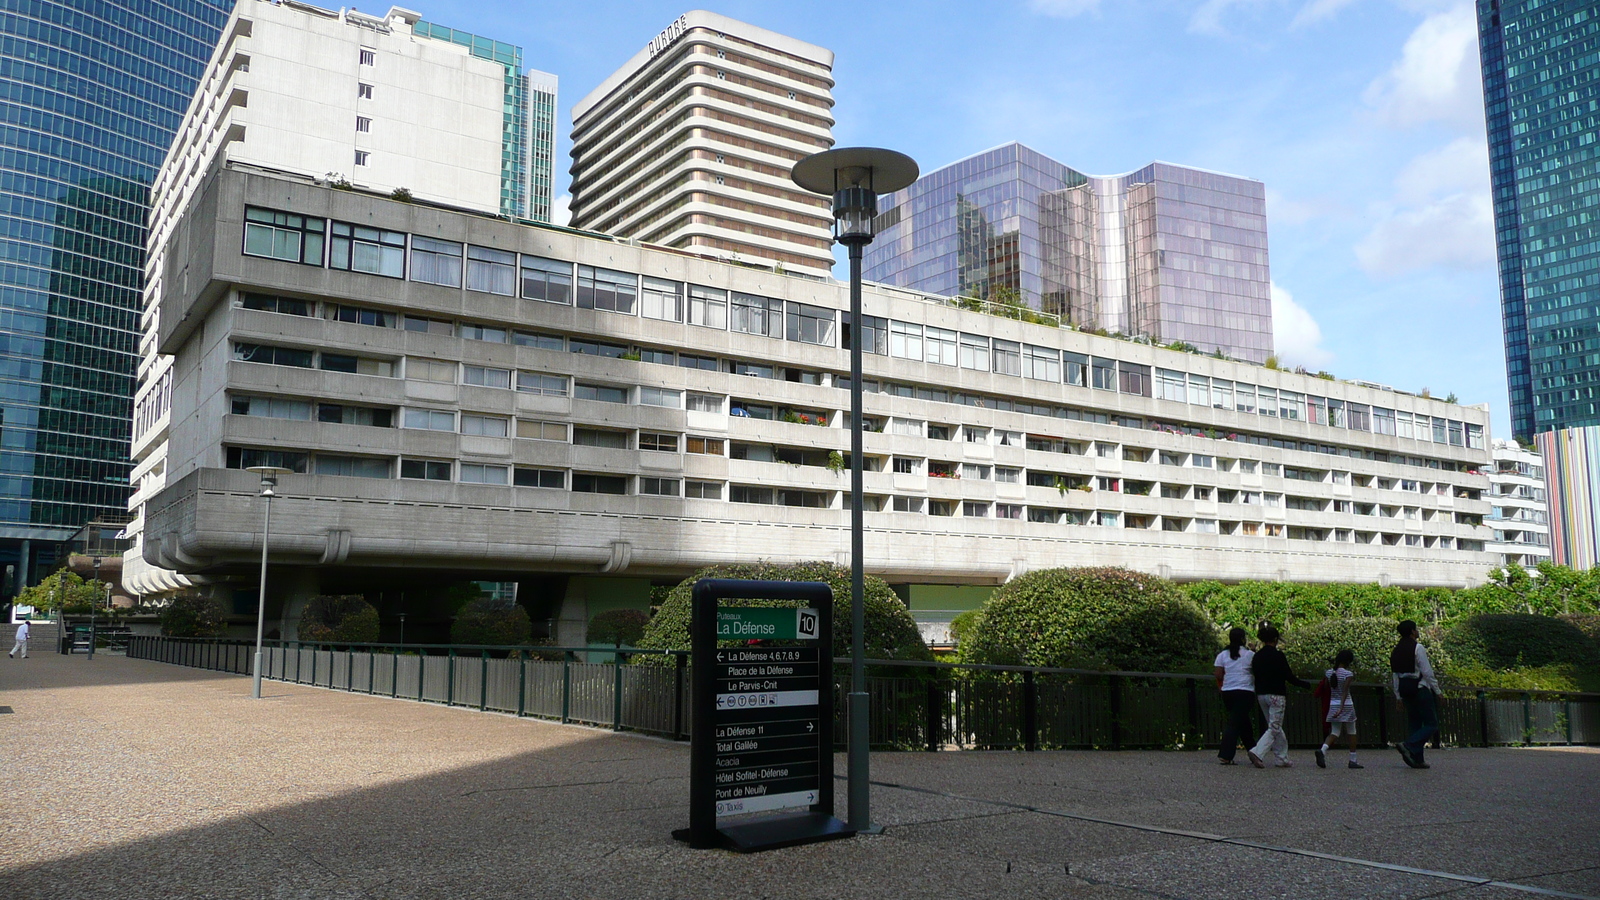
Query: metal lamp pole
{"points": [[853, 177], [269, 480], [94, 606]]}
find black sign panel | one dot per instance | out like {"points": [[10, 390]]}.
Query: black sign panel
{"points": [[761, 754]]}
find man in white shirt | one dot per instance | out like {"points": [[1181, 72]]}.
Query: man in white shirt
{"points": [[1417, 690], [22, 641]]}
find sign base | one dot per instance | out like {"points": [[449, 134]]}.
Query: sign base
{"points": [[771, 832]]}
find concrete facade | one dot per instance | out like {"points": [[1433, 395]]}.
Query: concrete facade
{"points": [[684, 412], [1521, 512], [690, 144]]}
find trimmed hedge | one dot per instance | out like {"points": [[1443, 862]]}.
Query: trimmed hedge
{"points": [[890, 631], [339, 618], [617, 627], [1512, 640], [1311, 647], [485, 621], [193, 614], [1092, 618]]}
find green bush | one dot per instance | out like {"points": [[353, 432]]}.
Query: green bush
{"points": [[339, 619], [618, 627], [485, 621], [1586, 623], [193, 614], [961, 625], [1311, 647], [1519, 640], [890, 632], [1091, 618]]}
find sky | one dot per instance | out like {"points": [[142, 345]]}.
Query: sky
{"points": [[1363, 118]]}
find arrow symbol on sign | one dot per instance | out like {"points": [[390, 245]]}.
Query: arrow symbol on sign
{"points": [[811, 796], [811, 726], [719, 657]]}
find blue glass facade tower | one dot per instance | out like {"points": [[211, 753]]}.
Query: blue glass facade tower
{"points": [[1541, 89], [91, 94]]}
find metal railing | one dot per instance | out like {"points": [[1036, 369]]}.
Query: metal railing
{"points": [[915, 705]]}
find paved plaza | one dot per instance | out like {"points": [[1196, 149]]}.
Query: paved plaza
{"points": [[132, 779]]}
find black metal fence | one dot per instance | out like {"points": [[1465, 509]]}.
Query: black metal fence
{"points": [[915, 705]]}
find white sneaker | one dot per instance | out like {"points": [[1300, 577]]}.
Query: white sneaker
{"points": [[1285, 764]]}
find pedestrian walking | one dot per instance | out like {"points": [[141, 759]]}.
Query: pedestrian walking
{"points": [[1238, 686], [1417, 691], [1273, 675], [1341, 714], [22, 641]]}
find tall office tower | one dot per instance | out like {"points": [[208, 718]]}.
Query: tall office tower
{"points": [[92, 96], [1541, 94], [1167, 252], [389, 104], [690, 144]]}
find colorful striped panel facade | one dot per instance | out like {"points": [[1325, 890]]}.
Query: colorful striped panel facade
{"points": [[1572, 472]]}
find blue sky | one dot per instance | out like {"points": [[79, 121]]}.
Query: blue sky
{"points": [[1364, 118]]}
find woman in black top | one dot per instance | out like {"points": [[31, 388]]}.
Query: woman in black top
{"points": [[1272, 672]]}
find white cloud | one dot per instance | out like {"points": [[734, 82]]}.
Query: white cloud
{"points": [[1296, 336], [1208, 18], [1437, 76], [561, 210], [1064, 9], [1318, 10], [1442, 216]]}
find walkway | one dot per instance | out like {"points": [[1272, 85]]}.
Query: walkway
{"points": [[134, 779]]}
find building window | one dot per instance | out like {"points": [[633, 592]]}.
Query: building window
{"points": [[661, 299], [491, 271], [757, 315], [353, 466], [363, 124], [1007, 357], [340, 414], [1105, 374], [975, 471], [703, 490], [285, 236], [425, 469], [596, 348], [600, 392], [905, 340], [435, 262], [940, 346], [652, 396], [358, 315], [663, 443], [600, 437], [874, 334], [429, 326], [974, 352], [362, 156], [357, 248], [607, 289], [659, 487], [540, 478], [543, 385], [745, 493], [368, 57], [484, 426], [479, 473], [1041, 363], [429, 419], [537, 430], [271, 407], [430, 370], [272, 356], [810, 324], [657, 357], [288, 306], [703, 363], [248, 458], [708, 307], [364, 91], [355, 365], [585, 483], [486, 333], [973, 509], [707, 403], [908, 504], [1134, 379], [1007, 511], [546, 279], [941, 508], [904, 465], [708, 446]]}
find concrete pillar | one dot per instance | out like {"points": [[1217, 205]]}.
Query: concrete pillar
{"points": [[24, 564], [572, 622], [295, 587]]}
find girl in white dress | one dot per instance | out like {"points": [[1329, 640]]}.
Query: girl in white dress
{"points": [[1341, 707]]}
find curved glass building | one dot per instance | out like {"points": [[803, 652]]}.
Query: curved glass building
{"points": [[91, 94]]}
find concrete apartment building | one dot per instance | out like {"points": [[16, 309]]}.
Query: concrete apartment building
{"points": [[1520, 516], [507, 401], [1167, 252], [367, 102], [690, 143]]}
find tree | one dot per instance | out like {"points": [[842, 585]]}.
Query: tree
{"points": [[339, 618], [193, 614], [490, 622], [64, 591], [617, 627]]}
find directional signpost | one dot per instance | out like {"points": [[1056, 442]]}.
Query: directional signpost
{"points": [[761, 751]]}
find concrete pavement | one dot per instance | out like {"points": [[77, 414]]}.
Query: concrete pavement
{"points": [[127, 778]]}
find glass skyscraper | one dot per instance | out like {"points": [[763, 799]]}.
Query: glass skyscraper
{"points": [[92, 94], [1167, 252], [1541, 89]]}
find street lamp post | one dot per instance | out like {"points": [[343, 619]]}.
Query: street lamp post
{"points": [[853, 177], [269, 480], [94, 606]]}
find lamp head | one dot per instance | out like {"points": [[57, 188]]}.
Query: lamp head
{"points": [[269, 478], [854, 177]]}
